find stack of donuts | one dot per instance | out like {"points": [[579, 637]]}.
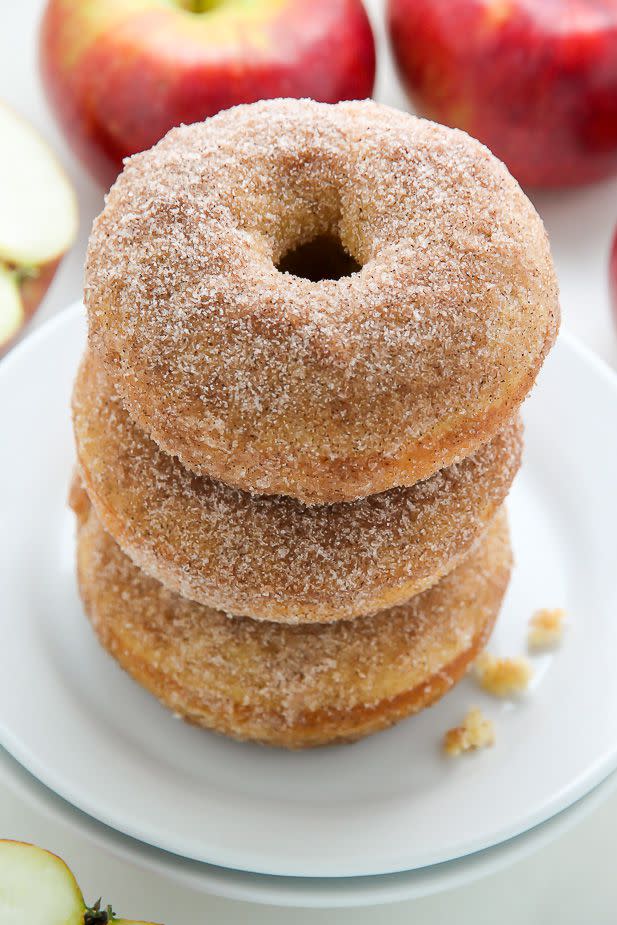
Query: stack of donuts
{"points": [[310, 331]]}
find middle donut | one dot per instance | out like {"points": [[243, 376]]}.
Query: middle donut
{"points": [[272, 558]]}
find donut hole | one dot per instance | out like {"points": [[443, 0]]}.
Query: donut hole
{"points": [[324, 257]]}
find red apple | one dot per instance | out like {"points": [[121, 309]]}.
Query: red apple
{"points": [[535, 80], [120, 73], [38, 221]]}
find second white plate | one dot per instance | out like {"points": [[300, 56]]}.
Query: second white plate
{"points": [[305, 892], [387, 804]]}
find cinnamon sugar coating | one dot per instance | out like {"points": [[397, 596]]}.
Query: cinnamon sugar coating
{"points": [[331, 390], [292, 686], [270, 557]]}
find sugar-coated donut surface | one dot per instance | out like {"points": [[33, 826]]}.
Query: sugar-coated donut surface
{"points": [[294, 686], [271, 557], [336, 389]]}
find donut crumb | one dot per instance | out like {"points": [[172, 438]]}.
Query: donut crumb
{"points": [[502, 677], [546, 628], [475, 732]]}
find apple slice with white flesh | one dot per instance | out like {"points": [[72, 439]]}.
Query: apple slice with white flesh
{"points": [[38, 221], [37, 888]]}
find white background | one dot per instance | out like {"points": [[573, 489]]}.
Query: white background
{"points": [[573, 880]]}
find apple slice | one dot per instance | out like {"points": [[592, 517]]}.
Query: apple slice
{"points": [[37, 888], [38, 213], [11, 305], [38, 221]]}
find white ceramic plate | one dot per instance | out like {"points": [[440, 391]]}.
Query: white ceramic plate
{"points": [[390, 803], [302, 892]]}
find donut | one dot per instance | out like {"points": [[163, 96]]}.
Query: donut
{"points": [[291, 686], [234, 355], [274, 558]]}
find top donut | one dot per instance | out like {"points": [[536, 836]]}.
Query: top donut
{"points": [[324, 389]]}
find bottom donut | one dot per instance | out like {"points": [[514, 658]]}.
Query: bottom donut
{"points": [[291, 686]]}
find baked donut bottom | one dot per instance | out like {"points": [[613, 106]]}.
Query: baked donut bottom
{"points": [[289, 686], [273, 558]]}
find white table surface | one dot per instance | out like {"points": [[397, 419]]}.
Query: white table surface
{"points": [[572, 881]]}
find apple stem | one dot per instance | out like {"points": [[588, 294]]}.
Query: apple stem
{"points": [[97, 916]]}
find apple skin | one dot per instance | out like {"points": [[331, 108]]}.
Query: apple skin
{"points": [[535, 81], [32, 290], [120, 73]]}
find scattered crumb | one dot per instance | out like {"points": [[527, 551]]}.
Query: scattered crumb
{"points": [[502, 677], [475, 732], [546, 628]]}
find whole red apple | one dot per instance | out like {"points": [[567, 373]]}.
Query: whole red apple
{"points": [[535, 80], [120, 73]]}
